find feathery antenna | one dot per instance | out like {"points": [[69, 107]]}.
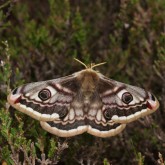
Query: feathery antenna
{"points": [[91, 66], [81, 62]]}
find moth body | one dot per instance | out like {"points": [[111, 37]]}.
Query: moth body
{"points": [[88, 80], [85, 101]]}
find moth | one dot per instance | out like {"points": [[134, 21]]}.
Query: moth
{"points": [[85, 101]]}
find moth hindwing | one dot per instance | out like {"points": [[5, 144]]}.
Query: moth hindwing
{"points": [[85, 101]]}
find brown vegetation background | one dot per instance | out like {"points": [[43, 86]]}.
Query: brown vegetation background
{"points": [[38, 41]]}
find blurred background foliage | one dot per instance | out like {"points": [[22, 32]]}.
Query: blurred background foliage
{"points": [[38, 41]]}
